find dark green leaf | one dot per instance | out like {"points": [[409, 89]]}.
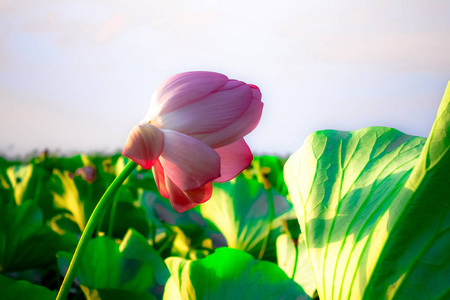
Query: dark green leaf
{"points": [[133, 265], [11, 289], [25, 242]]}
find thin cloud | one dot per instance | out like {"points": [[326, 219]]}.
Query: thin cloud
{"points": [[391, 34], [404, 52], [110, 29]]}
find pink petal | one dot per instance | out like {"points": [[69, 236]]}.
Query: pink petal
{"points": [[183, 89], [188, 162], [184, 200], [212, 113], [231, 84], [160, 179], [144, 145], [234, 158], [181, 201], [238, 129]]}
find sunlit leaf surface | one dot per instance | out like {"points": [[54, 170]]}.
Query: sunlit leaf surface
{"points": [[372, 204], [229, 274], [248, 215], [293, 259], [374, 207]]}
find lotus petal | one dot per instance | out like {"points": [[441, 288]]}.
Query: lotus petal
{"points": [[144, 145], [188, 162], [234, 158]]}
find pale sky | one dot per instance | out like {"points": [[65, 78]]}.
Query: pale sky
{"points": [[76, 76]]}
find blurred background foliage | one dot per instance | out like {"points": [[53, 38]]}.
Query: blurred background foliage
{"points": [[46, 202]]}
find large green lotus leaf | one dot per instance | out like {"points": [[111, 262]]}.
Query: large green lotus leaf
{"points": [[136, 246], [25, 242], [11, 289], [229, 274], [374, 206], [248, 215], [133, 266], [294, 260]]}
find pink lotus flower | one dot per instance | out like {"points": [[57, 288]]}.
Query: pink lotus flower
{"points": [[193, 135]]}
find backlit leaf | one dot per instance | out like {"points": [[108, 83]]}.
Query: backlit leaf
{"points": [[229, 274], [374, 207]]}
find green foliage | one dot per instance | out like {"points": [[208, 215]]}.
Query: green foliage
{"points": [[132, 266], [23, 180], [268, 170], [25, 242], [20, 289], [184, 235], [373, 205], [248, 215], [6, 187], [293, 259], [46, 202], [229, 274]]}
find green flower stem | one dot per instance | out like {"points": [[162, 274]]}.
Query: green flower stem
{"points": [[90, 227], [112, 215], [294, 270]]}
